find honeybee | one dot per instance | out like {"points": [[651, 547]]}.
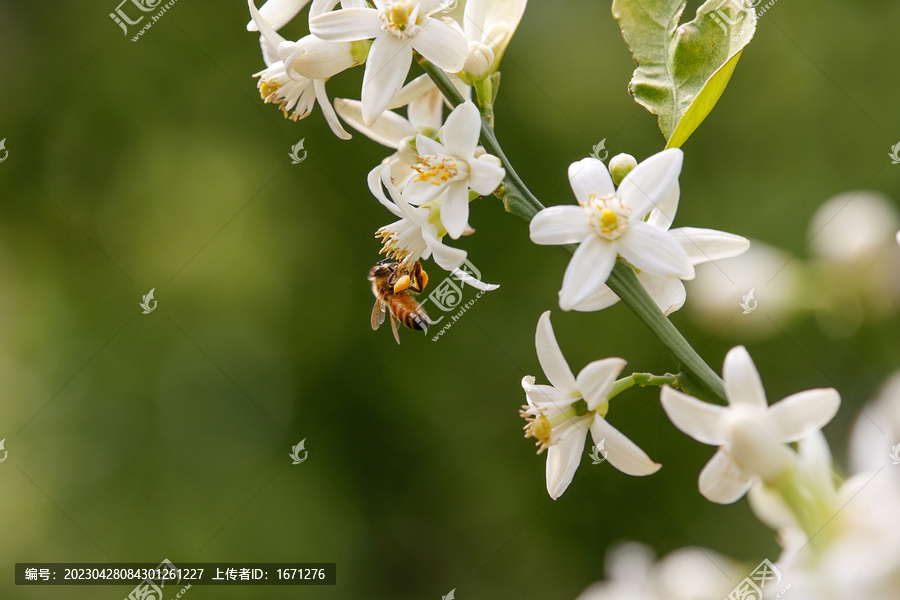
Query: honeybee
{"points": [[393, 286]]}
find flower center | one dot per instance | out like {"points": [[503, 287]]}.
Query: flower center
{"points": [[540, 427], [435, 169], [400, 19], [607, 215]]}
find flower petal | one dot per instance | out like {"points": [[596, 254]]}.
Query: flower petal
{"points": [[328, 110], [667, 292], [461, 131], [455, 208], [446, 257], [587, 271], [648, 185], [278, 13], [596, 380], [722, 481], [621, 452], [374, 179], [590, 176], [700, 420], [663, 214], [705, 245], [485, 174], [426, 111], [347, 25], [602, 299], [653, 250], [742, 382], [563, 459], [387, 67], [467, 278], [800, 415], [547, 399], [420, 192], [551, 357], [426, 146], [442, 44], [388, 130], [559, 225]]}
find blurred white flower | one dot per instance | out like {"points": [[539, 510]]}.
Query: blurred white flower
{"points": [[398, 27], [775, 277], [855, 260], [853, 227], [418, 233], [877, 430], [560, 415], [285, 86], [610, 222], [750, 434], [685, 574], [449, 168]]}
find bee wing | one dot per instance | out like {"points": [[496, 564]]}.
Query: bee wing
{"points": [[378, 314], [395, 328]]}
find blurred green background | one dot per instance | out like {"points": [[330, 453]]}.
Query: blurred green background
{"points": [[154, 164]]}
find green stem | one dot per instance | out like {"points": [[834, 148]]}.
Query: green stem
{"points": [[643, 380], [697, 377]]}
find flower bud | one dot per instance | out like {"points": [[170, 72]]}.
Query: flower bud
{"points": [[621, 165], [479, 61]]}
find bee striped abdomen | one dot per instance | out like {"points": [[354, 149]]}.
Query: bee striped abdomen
{"points": [[409, 312]]}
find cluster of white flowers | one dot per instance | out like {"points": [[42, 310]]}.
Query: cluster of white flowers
{"points": [[437, 167]]}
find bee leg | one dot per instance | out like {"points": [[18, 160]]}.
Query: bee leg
{"points": [[401, 284], [423, 279], [395, 329]]}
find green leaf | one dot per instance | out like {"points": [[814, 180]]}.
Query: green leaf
{"points": [[682, 69]]}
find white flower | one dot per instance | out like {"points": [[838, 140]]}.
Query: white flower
{"points": [[560, 415], [489, 26], [701, 246], [288, 88], [853, 227], [397, 27], [449, 168], [685, 574], [610, 222], [417, 234], [278, 13], [750, 434], [425, 114]]}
